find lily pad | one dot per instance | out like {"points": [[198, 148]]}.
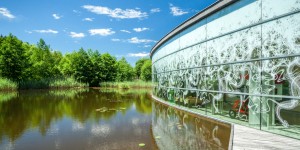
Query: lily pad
{"points": [[142, 144]]}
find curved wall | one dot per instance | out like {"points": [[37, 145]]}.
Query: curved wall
{"points": [[240, 63]]}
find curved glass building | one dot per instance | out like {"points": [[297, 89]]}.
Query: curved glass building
{"points": [[238, 61]]}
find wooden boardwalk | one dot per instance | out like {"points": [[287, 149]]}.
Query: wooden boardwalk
{"points": [[245, 138]]}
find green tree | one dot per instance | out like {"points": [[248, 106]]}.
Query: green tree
{"points": [[110, 67], [77, 65], [42, 61], [146, 71], [138, 66], [98, 67], [13, 60], [124, 72]]}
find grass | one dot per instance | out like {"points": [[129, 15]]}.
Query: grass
{"points": [[127, 84], [66, 83], [7, 85], [51, 84]]}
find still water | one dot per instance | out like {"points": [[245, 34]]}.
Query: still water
{"points": [[101, 119]]}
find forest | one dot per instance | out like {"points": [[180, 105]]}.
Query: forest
{"points": [[38, 66]]}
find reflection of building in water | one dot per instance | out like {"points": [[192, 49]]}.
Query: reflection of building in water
{"points": [[175, 129], [236, 61]]}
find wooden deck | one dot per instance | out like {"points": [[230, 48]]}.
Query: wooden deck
{"points": [[245, 138]]}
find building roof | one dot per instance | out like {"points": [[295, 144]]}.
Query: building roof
{"points": [[220, 4]]}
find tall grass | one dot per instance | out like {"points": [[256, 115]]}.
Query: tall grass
{"points": [[51, 83], [127, 84], [6, 84], [67, 83]]}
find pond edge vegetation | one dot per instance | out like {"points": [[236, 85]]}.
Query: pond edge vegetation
{"points": [[37, 66]]}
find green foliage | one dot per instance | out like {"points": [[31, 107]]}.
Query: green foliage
{"points": [[138, 66], [66, 83], [123, 86], [146, 71], [77, 65], [129, 84], [125, 72], [13, 60], [38, 66], [6, 84], [97, 76], [110, 69]]}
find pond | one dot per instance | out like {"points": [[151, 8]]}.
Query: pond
{"points": [[101, 119]]}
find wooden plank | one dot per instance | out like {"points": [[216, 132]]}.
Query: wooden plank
{"points": [[245, 138]]}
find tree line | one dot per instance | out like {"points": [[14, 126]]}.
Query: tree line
{"points": [[21, 61]]}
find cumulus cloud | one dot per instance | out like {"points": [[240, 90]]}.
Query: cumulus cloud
{"points": [[135, 40], [101, 32], [115, 40], [142, 54], [88, 19], [116, 13], [76, 35], [126, 31], [46, 31], [6, 13], [176, 11], [140, 29], [155, 10], [56, 16]]}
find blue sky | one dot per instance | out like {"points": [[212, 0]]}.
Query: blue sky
{"points": [[124, 28]]}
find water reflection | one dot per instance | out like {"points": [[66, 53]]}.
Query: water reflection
{"points": [[67, 119], [175, 129]]}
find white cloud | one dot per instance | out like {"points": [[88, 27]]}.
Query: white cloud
{"points": [[155, 10], [116, 13], [101, 32], [6, 13], [29, 32], [46, 31], [56, 16], [140, 29], [88, 19], [76, 35], [76, 11], [126, 31], [176, 11], [115, 40], [147, 46], [142, 54], [135, 40]]}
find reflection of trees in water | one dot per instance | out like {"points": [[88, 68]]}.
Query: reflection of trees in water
{"points": [[181, 130], [39, 108], [5, 96]]}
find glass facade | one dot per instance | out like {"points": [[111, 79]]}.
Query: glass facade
{"points": [[240, 64]]}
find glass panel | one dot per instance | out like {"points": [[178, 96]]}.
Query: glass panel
{"points": [[281, 37], [273, 8], [281, 116], [247, 11]]}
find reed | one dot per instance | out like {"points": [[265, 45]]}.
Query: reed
{"points": [[6, 84], [127, 84]]}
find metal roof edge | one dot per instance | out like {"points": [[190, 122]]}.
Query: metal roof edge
{"points": [[191, 21]]}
